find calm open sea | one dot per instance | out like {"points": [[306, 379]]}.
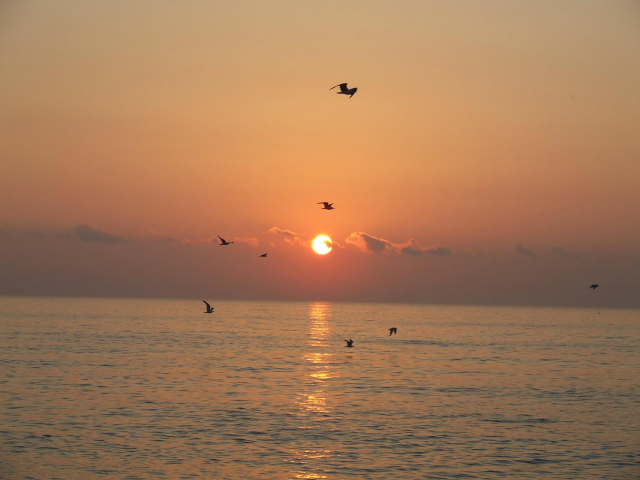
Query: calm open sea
{"points": [[127, 389]]}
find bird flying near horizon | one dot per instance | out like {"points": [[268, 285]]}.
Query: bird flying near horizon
{"points": [[223, 241], [264, 255], [594, 286], [393, 330], [344, 90], [327, 205], [349, 343], [209, 309]]}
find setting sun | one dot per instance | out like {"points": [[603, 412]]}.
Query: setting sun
{"points": [[322, 244]]}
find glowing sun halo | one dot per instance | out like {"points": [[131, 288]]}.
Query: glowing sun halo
{"points": [[321, 244]]}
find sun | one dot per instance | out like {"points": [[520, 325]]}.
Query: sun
{"points": [[321, 244]]}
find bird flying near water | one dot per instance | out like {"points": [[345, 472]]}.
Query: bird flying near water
{"points": [[349, 343], [393, 330], [209, 309], [263, 255], [327, 205], [223, 241], [594, 286], [344, 90]]}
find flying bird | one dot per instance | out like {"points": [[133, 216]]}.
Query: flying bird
{"points": [[393, 330], [223, 241], [209, 309], [327, 205], [349, 343], [344, 90], [594, 286], [263, 255]]}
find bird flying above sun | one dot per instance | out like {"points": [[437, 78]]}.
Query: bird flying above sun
{"points": [[321, 244]]}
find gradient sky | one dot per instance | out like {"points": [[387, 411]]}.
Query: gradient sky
{"points": [[491, 154]]}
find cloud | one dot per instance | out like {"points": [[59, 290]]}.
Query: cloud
{"points": [[168, 240], [296, 241], [35, 235], [563, 253], [251, 241], [414, 249], [279, 231], [88, 234], [290, 237], [368, 243], [523, 251]]}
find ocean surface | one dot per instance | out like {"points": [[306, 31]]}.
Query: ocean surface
{"points": [[138, 389]]}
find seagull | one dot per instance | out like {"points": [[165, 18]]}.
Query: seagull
{"points": [[327, 205], [223, 241], [393, 330], [263, 255], [594, 286], [349, 343], [209, 309], [344, 90]]}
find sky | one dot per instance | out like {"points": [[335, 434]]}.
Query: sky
{"points": [[490, 155]]}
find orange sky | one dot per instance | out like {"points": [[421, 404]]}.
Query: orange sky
{"points": [[477, 126]]}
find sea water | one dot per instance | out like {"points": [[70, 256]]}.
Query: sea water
{"points": [[138, 389]]}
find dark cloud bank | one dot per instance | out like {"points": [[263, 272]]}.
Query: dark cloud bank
{"points": [[88, 234]]}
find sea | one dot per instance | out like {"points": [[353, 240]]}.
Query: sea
{"points": [[140, 389]]}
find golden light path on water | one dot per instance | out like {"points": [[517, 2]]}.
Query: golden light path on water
{"points": [[313, 401]]}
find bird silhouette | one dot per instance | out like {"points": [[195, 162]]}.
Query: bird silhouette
{"points": [[393, 330], [594, 286], [349, 343], [209, 309], [263, 255], [223, 241], [344, 90], [327, 205]]}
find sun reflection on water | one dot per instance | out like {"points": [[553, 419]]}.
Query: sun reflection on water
{"points": [[309, 475], [313, 402], [319, 314]]}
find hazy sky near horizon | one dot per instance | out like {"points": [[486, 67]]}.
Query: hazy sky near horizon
{"points": [[490, 155]]}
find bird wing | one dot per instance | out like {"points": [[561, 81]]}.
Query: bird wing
{"points": [[341, 85], [208, 306], [323, 203], [222, 239]]}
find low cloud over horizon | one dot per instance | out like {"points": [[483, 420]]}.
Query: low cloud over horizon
{"points": [[563, 253], [289, 237], [89, 234], [525, 252], [151, 264], [370, 244]]}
